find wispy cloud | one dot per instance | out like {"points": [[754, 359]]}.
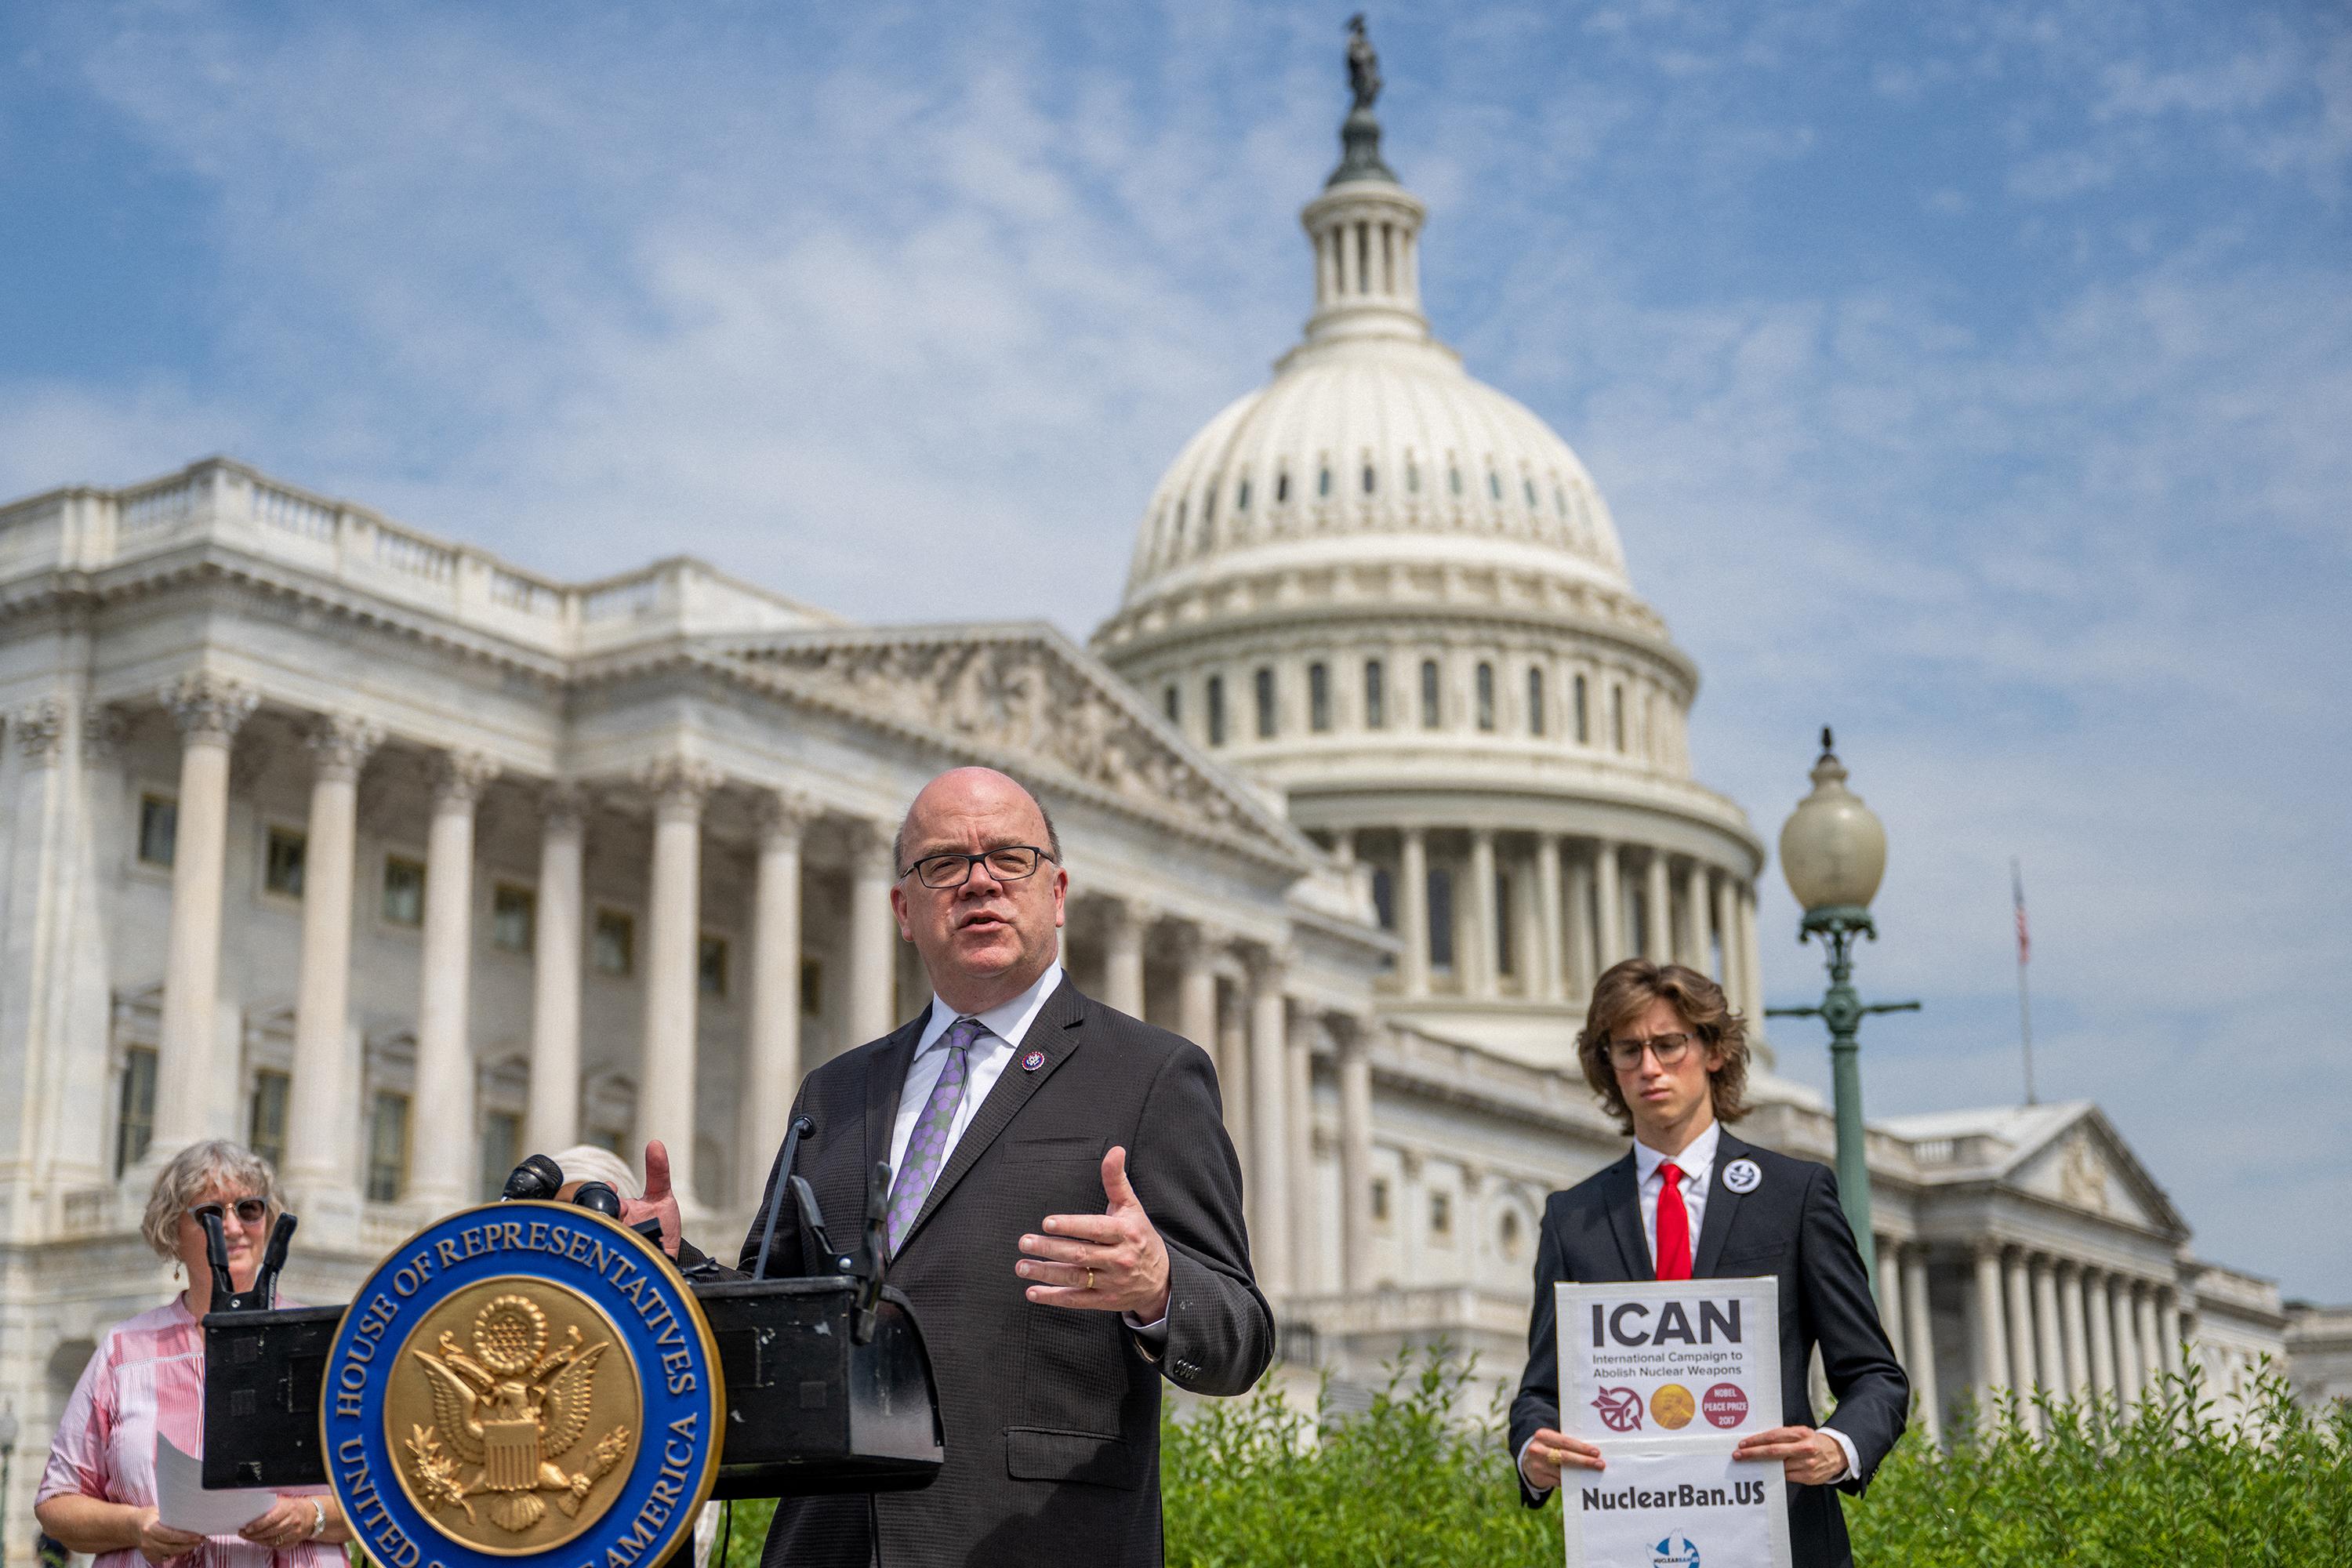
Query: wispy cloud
{"points": [[1975, 379]]}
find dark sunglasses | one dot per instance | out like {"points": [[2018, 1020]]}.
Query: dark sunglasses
{"points": [[249, 1212]]}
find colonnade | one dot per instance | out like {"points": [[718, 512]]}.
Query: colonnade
{"points": [[2042, 1323], [1566, 915]]}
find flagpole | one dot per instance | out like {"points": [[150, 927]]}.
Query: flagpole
{"points": [[2024, 999]]}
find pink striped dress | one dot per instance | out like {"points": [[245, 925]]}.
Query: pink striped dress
{"points": [[149, 1375]]}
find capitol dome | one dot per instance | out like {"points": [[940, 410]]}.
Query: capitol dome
{"points": [[1393, 596]]}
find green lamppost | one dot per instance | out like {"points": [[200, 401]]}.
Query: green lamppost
{"points": [[1834, 852]]}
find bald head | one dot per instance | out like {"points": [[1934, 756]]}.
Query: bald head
{"points": [[987, 938], [956, 792]]}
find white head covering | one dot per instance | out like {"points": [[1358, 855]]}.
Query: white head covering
{"points": [[588, 1163]]}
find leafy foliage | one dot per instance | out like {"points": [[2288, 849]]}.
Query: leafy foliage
{"points": [[1416, 1480]]}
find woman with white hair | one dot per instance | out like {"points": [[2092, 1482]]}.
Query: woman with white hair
{"points": [[147, 1379]]}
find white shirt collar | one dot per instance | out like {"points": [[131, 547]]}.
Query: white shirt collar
{"points": [[1696, 1162], [1009, 1020]]}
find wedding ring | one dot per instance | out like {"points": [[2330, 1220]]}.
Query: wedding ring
{"points": [[1091, 1279]]}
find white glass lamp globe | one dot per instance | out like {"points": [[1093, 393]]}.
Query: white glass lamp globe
{"points": [[1833, 847]]}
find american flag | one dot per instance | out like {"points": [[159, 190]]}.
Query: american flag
{"points": [[2017, 889]]}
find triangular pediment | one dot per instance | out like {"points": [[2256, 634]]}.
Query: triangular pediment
{"points": [[1026, 698], [2085, 1165]]}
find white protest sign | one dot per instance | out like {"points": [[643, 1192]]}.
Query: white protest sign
{"points": [[1655, 1358], [1676, 1503], [1665, 1377]]}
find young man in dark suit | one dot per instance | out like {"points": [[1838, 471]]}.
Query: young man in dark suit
{"points": [[1669, 1060], [1064, 1216]]}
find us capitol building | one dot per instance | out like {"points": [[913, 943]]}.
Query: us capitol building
{"points": [[399, 860]]}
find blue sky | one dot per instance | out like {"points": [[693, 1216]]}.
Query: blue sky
{"points": [[1976, 377]]}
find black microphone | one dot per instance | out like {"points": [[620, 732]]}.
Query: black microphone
{"points": [[537, 1177], [600, 1198], [801, 1126]]}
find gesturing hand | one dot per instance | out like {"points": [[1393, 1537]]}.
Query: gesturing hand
{"points": [[1809, 1457], [660, 1203], [1107, 1262]]}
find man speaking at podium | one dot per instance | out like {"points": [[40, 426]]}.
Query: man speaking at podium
{"points": [[1064, 1215], [1668, 1057]]}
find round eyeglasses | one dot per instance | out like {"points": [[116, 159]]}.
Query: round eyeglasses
{"points": [[249, 1212], [1006, 863], [1667, 1048]]}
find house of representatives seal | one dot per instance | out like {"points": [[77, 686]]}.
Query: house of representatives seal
{"points": [[525, 1380]]}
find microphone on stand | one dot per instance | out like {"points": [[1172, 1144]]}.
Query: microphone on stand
{"points": [[537, 1177]]}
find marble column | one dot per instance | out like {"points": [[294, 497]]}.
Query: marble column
{"points": [[2049, 1345], [2100, 1321], [1233, 1019], [318, 1125], [209, 711], [2022, 1374], [873, 999], [1658, 923], [2154, 1358], [557, 938], [1890, 1296], [444, 1175], [1298, 1174], [1920, 1336], [669, 1048], [1123, 925], [1412, 910], [1726, 935], [2078, 1349], [1751, 956], [1609, 904], [1356, 1154], [1269, 1121], [1196, 989], [2168, 1325], [772, 1051], [2127, 1362], [1474, 906], [1992, 1330], [1691, 938], [1550, 971], [1579, 971]]}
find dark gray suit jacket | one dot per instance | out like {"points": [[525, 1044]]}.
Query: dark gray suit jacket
{"points": [[1789, 1225], [1052, 1416]]}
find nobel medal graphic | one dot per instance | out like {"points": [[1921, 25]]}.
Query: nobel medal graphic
{"points": [[527, 1380]]}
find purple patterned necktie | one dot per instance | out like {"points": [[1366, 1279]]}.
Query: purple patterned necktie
{"points": [[927, 1149]]}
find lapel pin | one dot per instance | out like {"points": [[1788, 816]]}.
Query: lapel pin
{"points": [[1032, 1061], [1742, 1176]]}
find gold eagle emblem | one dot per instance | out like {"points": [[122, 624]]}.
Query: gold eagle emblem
{"points": [[507, 1413]]}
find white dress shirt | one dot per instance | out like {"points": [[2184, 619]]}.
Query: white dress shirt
{"points": [[1696, 1162]]}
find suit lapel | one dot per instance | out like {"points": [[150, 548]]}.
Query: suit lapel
{"points": [[1055, 1033], [886, 1074], [1722, 1208], [1624, 1206]]}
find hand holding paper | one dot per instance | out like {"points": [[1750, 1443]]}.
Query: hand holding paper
{"points": [[183, 1504]]}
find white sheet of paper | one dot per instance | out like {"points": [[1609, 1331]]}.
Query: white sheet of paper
{"points": [[181, 1502], [1675, 1503]]}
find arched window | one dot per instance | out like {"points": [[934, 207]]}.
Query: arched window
{"points": [[1367, 478], [1264, 683], [1376, 713], [1241, 498], [1441, 918], [1323, 482], [1282, 487], [1529, 487], [1318, 697], [1453, 479], [1172, 699], [1429, 711], [1535, 701], [1412, 477], [1216, 705], [1494, 485], [1486, 694]]}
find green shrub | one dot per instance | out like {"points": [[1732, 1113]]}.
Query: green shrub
{"points": [[1416, 1479]]}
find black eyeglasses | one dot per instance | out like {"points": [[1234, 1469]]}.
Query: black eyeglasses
{"points": [[1667, 1048], [1006, 863], [249, 1212]]}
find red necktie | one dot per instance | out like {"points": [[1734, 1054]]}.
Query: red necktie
{"points": [[1674, 1226]]}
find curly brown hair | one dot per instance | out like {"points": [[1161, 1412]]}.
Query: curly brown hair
{"points": [[1621, 994]]}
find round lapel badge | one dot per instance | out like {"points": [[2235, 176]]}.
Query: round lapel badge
{"points": [[1741, 1176], [1032, 1061], [518, 1385]]}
